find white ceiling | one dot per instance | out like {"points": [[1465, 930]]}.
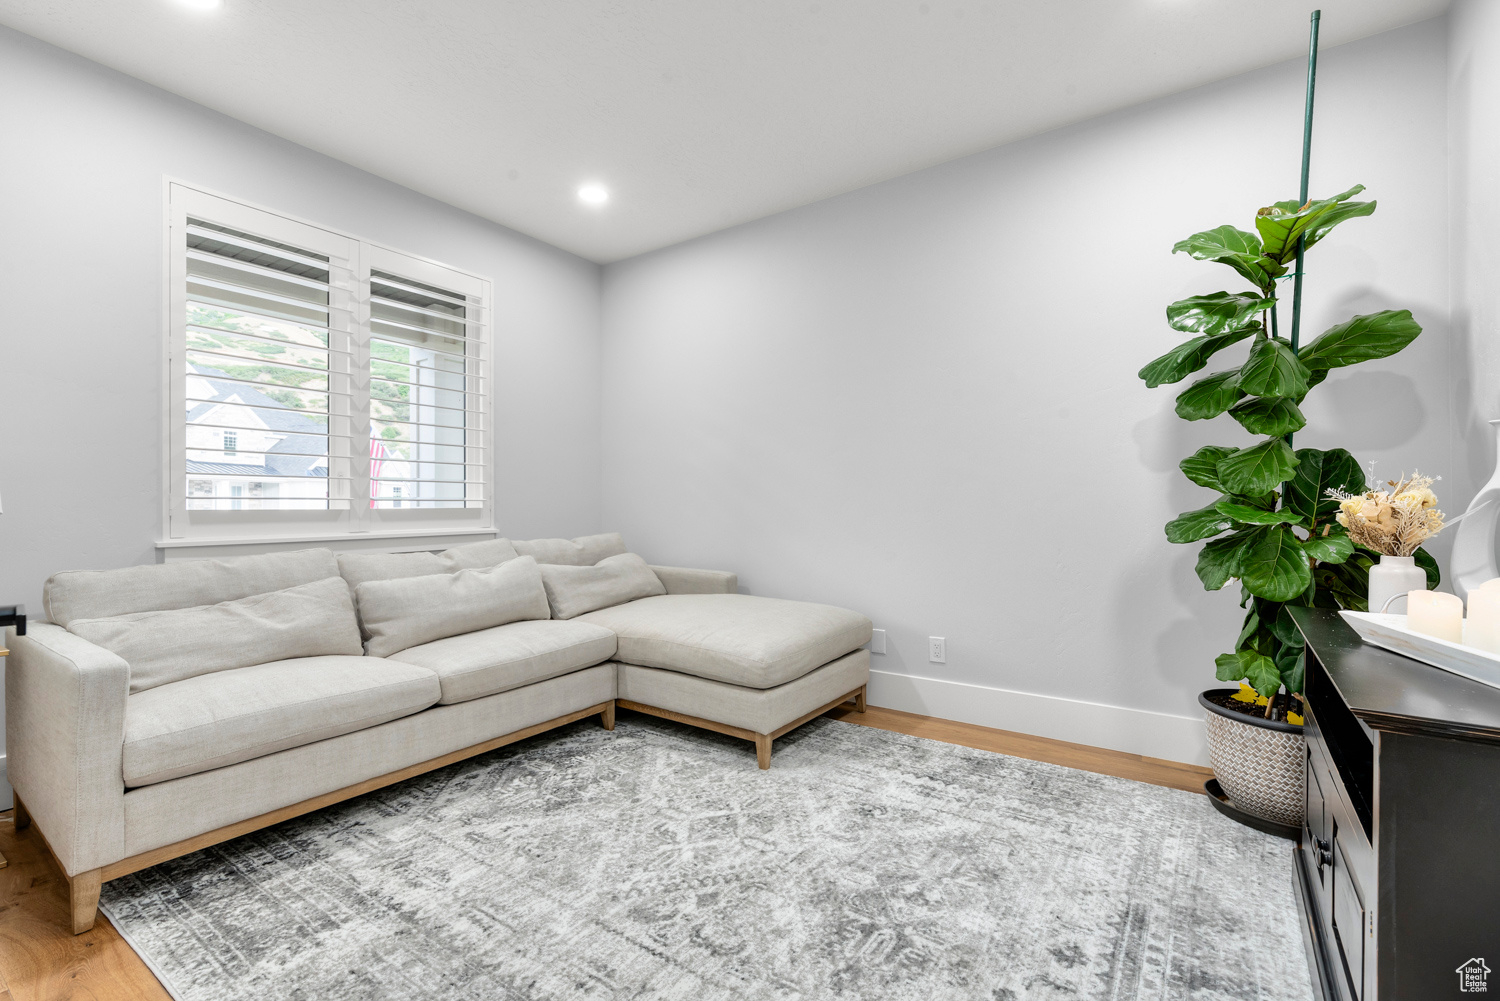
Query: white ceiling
{"points": [[697, 114]]}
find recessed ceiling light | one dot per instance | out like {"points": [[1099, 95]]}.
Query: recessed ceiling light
{"points": [[593, 194], [200, 4]]}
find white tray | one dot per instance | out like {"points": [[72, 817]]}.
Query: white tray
{"points": [[1390, 633]]}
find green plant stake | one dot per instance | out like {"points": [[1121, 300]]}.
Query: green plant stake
{"points": [[1307, 113], [1282, 545]]}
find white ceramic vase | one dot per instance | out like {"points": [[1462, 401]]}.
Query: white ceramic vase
{"points": [[1391, 578], [1473, 559]]}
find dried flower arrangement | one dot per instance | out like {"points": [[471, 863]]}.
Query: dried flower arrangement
{"points": [[1395, 521]]}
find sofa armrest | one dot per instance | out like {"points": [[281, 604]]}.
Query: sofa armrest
{"points": [[65, 737], [683, 580]]}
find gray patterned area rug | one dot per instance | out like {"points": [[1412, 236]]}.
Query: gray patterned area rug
{"points": [[658, 862]]}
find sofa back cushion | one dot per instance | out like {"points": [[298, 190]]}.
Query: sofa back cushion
{"points": [[357, 568], [397, 614], [584, 551], [308, 620], [479, 555], [612, 581], [360, 568], [97, 594]]}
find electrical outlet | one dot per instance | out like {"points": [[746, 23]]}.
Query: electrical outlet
{"points": [[937, 650], [877, 641]]}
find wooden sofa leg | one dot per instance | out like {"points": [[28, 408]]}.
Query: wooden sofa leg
{"points": [[83, 898], [859, 700], [607, 717], [763, 750], [22, 818]]}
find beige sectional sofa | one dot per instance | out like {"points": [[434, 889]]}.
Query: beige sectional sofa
{"points": [[170, 707]]}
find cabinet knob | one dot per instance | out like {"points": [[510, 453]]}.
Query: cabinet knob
{"points": [[1323, 851]]}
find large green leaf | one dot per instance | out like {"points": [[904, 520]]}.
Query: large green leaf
{"points": [[1248, 665], [1363, 338], [1275, 567], [1195, 526], [1256, 469], [1260, 639], [1247, 515], [1202, 466], [1273, 369], [1251, 632], [1234, 247], [1336, 215], [1282, 626], [1424, 560], [1349, 581], [1261, 502], [1281, 224], [1210, 396], [1317, 473], [1335, 547], [1216, 312], [1273, 416], [1291, 664], [1228, 667], [1189, 356], [1219, 560]]}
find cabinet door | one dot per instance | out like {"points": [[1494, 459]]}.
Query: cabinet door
{"points": [[1316, 824], [1349, 919]]}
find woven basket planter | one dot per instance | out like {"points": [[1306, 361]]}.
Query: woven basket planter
{"points": [[1261, 764]]}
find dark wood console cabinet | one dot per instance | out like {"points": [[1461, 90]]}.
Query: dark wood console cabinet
{"points": [[1398, 866]]}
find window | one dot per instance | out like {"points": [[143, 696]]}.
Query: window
{"points": [[322, 385]]}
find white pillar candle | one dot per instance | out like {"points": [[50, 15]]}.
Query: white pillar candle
{"points": [[1436, 614], [1483, 628], [1493, 584]]}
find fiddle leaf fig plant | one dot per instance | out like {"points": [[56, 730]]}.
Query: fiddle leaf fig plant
{"points": [[1273, 525]]}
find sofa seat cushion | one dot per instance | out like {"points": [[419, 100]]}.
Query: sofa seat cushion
{"points": [[218, 719], [521, 653], [741, 639]]}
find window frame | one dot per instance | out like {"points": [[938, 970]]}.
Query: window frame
{"points": [[351, 259]]}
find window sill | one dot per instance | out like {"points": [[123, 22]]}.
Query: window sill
{"points": [[365, 542]]}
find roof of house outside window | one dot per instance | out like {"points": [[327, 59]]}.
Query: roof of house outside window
{"points": [[301, 452]]}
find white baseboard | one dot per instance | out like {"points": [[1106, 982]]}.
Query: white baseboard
{"points": [[1156, 735]]}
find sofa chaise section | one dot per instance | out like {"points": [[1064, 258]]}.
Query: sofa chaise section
{"points": [[739, 664]]}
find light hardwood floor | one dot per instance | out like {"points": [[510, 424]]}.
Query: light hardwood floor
{"points": [[41, 960], [1155, 771]]}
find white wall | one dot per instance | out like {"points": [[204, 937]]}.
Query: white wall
{"points": [[919, 399], [1474, 124], [85, 150]]}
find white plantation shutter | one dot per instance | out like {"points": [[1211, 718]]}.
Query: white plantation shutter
{"points": [[320, 385], [427, 395], [266, 412]]}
